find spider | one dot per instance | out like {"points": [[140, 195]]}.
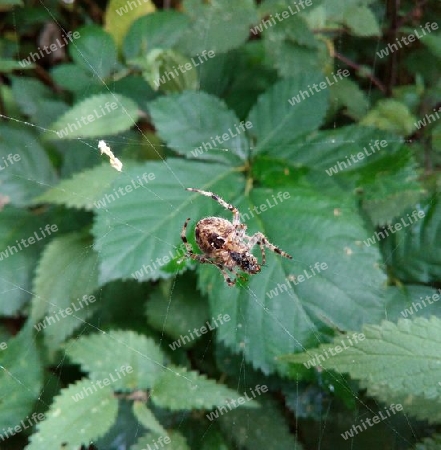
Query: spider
{"points": [[226, 244]]}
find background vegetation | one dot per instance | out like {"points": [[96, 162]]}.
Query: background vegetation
{"points": [[126, 251]]}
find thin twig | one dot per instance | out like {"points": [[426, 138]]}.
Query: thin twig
{"points": [[357, 67]]}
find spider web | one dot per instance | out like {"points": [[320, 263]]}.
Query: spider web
{"points": [[115, 143]]}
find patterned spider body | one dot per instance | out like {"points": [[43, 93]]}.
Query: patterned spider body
{"points": [[225, 244], [219, 239]]}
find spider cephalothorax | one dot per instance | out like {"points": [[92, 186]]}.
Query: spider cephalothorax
{"points": [[225, 244]]}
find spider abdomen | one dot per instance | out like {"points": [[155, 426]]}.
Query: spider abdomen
{"points": [[212, 233], [219, 239]]}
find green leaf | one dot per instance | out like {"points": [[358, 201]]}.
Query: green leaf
{"points": [[178, 389], [25, 169], [267, 7], [29, 94], [94, 51], [175, 441], [159, 70], [9, 65], [189, 123], [390, 187], [256, 429], [291, 47], [417, 406], [354, 14], [98, 115], [209, 22], [276, 123], [430, 443], [109, 355], [362, 160], [147, 418], [361, 21], [390, 115], [280, 312], [413, 252], [186, 312], [21, 378], [81, 413], [73, 77], [402, 356], [86, 189], [18, 260], [433, 43], [120, 15], [36, 101], [66, 276], [409, 301], [348, 95], [161, 29], [126, 429], [137, 235]]}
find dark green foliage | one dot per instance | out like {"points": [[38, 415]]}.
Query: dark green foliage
{"points": [[300, 114]]}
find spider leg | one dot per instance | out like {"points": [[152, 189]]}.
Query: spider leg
{"points": [[204, 260], [260, 239], [222, 202], [184, 237], [230, 282]]}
